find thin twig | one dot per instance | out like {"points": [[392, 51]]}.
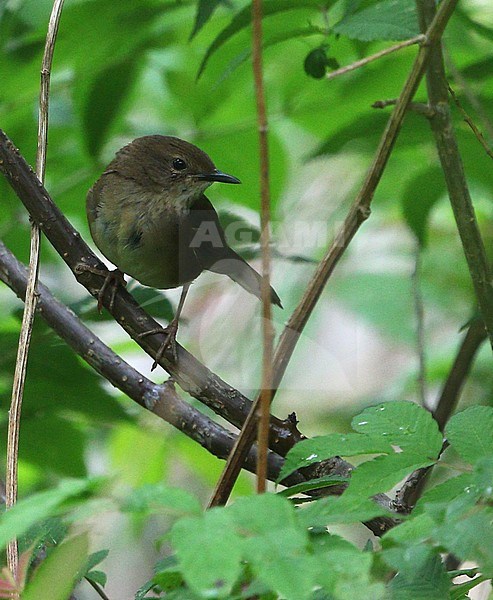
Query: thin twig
{"points": [[420, 329], [470, 122], [469, 94], [455, 179], [358, 213], [450, 394], [418, 39], [97, 588], [267, 328], [31, 295], [418, 107]]}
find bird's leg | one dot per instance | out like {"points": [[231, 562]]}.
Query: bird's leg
{"points": [[170, 330], [111, 278]]}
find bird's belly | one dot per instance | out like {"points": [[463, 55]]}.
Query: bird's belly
{"points": [[158, 266], [154, 253]]}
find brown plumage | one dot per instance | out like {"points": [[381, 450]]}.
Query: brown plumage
{"points": [[149, 216]]}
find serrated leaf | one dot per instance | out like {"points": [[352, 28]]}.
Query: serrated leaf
{"points": [[208, 552], [469, 538], [483, 477], [444, 492], [339, 510], [274, 544], [470, 432], [243, 19], [408, 425], [386, 20], [384, 472], [423, 580], [308, 452]]}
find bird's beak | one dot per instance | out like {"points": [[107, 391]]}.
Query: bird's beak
{"points": [[217, 175]]}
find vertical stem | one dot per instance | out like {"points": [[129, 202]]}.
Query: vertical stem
{"points": [[453, 170], [31, 294], [420, 324], [267, 329]]}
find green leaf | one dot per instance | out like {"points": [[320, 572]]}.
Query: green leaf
{"points": [[313, 484], [105, 99], [483, 477], [98, 577], [386, 20], [470, 433], [408, 425], [208, 552], [55, 577], [205, 9], [419, 196], [445, 492], [384, 472], [94, 559], [275, 545], [460, 590], [17, 520], [339, 510], [243, 19], [469, 538], [311, 451], [391, 428], [421, 575], [415, 530]]}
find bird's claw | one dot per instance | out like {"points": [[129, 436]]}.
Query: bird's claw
{"points": [[169, 341], [111, 278]]}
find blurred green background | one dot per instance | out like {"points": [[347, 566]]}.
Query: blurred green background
{"points": [[126, 69]]}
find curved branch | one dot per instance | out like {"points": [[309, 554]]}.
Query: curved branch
{"points": [[162, 400]]}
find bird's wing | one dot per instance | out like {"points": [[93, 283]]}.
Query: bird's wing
{"points": [[208, 241]]}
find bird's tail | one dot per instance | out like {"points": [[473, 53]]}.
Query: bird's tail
{"points": [[240, 271]]}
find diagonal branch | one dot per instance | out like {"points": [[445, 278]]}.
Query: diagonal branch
{"points": [[190, 374], [161, 400], [358, 213]]}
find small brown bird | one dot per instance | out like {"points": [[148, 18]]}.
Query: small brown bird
{"points": [[148, 215]]}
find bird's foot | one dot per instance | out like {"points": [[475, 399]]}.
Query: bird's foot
{"points": [[169, 341], [111, 279]]}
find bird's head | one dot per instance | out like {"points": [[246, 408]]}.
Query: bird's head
{"points": [[174, 167]]}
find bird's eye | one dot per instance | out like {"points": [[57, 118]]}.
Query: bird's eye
{"points": [[179, 164]]}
